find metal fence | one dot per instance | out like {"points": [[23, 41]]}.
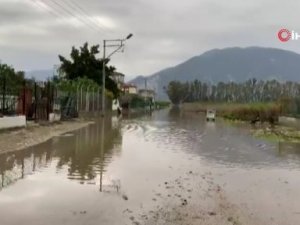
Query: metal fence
{"points": [[32, 99], [89, 99], [37, 100], [13, 97]]}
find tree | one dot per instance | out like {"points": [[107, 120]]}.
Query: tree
{"points": [[12, 79], [177, 92], [84, 63], [251, 90]]}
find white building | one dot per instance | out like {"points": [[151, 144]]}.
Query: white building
{"points": [[129, 89]]}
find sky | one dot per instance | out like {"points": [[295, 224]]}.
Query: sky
{"points": [[166, 32]]}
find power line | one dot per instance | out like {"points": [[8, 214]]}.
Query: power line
{"points": [[79, 8], [37, 3], [50, 9], [65, 11], [83, 13], [45, 7], [68, 12]]}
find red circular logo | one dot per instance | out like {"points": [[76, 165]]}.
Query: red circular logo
{"points": [[284, 35]]}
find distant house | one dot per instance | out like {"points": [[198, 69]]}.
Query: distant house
{"points": [[129, 89], [118, 78], [147, 93]]}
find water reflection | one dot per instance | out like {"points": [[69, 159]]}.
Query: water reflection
{"points": [[84, 155], [15, 166], [174, 112]]}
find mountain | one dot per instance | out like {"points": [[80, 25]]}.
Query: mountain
{"points": [[229, 64], [40, 75]]}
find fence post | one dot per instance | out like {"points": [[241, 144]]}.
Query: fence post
{"points": [[81, 98], [77, 98], [35, 101], [93, 99], [48, 102], [24, 99], [53, 97], [3, 93], [88, 99], [98, 102]]}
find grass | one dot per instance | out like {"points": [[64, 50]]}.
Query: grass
{"points": [[162, 104], [278, 134], [235, 111]]}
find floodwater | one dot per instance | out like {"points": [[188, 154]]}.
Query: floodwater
{"points": [[122, 171]]}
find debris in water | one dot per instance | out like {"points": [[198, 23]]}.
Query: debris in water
{"points": [[131, 218], [230, 219], [125, 197], [184, 202], [212, 213], [127, 210]]}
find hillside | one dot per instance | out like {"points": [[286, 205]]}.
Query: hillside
{"points": [[229, 64]]}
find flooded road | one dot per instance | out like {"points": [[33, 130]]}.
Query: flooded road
{"points": [[167, 168]]}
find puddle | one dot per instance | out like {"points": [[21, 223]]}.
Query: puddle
{"points": [[150, 170]]}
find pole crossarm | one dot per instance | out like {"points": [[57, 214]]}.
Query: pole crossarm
{"points": [[120, 46]]}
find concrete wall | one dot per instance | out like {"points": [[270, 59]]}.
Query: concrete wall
{"points": [[54, 117], [289, 121], [12, 122]]}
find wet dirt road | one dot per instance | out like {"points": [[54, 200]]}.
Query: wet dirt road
{"points": [[167, 168]]}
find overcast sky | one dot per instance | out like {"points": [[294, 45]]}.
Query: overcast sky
{"points": [[166, 32]]}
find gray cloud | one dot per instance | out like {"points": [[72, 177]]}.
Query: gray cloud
{"points": [[34, 32]]}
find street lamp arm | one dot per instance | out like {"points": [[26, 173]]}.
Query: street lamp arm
{"points": [[115, 40]]}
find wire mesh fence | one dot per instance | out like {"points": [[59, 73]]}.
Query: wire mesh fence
{"points": [[39, 100]]}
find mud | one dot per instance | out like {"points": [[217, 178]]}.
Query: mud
{"points": [[33, 134]]}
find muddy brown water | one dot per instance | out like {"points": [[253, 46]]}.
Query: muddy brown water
{"points": [[118, 172]]}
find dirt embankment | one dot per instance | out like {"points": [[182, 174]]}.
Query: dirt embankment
{"points": [[33, 134]]}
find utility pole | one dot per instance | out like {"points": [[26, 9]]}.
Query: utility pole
{"points": [[118, 44], [145, 98], [103, 78], [3, 87], [3, 93]]}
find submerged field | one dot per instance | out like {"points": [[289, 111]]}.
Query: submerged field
{"points": [[266, 114], [278, 134], [263, 112]]}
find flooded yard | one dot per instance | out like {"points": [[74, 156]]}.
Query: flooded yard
{"points": [[167, 168]]}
